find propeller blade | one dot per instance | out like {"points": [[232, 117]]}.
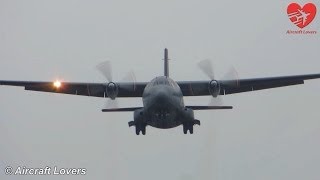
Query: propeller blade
{"points": [[231, 78], [111, 104], [131, 79], [105, 69], [207, 68], [216, 101]]}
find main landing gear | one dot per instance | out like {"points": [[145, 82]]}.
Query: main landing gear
{"points": [[188, 126], [140, 127]]}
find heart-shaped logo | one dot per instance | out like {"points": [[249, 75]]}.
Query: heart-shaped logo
{"points": [[301, 17]]}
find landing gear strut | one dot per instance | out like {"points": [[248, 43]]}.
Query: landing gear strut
{"points": [[140, 127], [188, 126]]}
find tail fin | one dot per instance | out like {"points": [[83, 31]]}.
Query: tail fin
{"points": [[166, 63]]}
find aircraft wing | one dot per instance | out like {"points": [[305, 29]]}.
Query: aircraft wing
{"points": [[188, 88], [201, 88], [84, 89]]}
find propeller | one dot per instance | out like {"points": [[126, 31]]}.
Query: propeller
{"points": [[229, 79], [110, 104], [105, 69], [130, 77], [207, 68]]}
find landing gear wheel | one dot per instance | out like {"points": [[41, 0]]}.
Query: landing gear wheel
{"points": [[185, 129], [191, 129], [142, 128], [137, 130]]}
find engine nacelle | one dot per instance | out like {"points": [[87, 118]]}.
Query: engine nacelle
{"points": [[112, 90], [214, 88]]}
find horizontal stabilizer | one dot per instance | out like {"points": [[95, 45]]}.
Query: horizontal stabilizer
{"points": [[121, 109], [208, 107]]}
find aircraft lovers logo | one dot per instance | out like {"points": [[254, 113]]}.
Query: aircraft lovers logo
{"points": [[301, 17]]}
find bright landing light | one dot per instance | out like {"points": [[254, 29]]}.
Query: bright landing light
{"points": [[57, 84]]}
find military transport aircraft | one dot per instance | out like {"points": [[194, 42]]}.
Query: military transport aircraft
{"points": [[163, 105]]}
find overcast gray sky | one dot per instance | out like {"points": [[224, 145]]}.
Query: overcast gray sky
{"points": [[271, 134]]}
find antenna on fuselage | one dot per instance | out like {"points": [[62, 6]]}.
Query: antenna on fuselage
{"points": [[166, 63]]}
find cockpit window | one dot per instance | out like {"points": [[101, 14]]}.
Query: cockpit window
{"points": [[172, 83], [163, 81], [160, 81]]}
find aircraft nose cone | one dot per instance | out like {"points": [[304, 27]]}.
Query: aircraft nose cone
{"points": [[162, 95]]}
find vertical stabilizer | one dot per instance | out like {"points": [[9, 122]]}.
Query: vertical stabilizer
{"points": [[166, 63]]}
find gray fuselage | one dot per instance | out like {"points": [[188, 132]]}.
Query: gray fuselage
{"points": [[163, 103]]}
